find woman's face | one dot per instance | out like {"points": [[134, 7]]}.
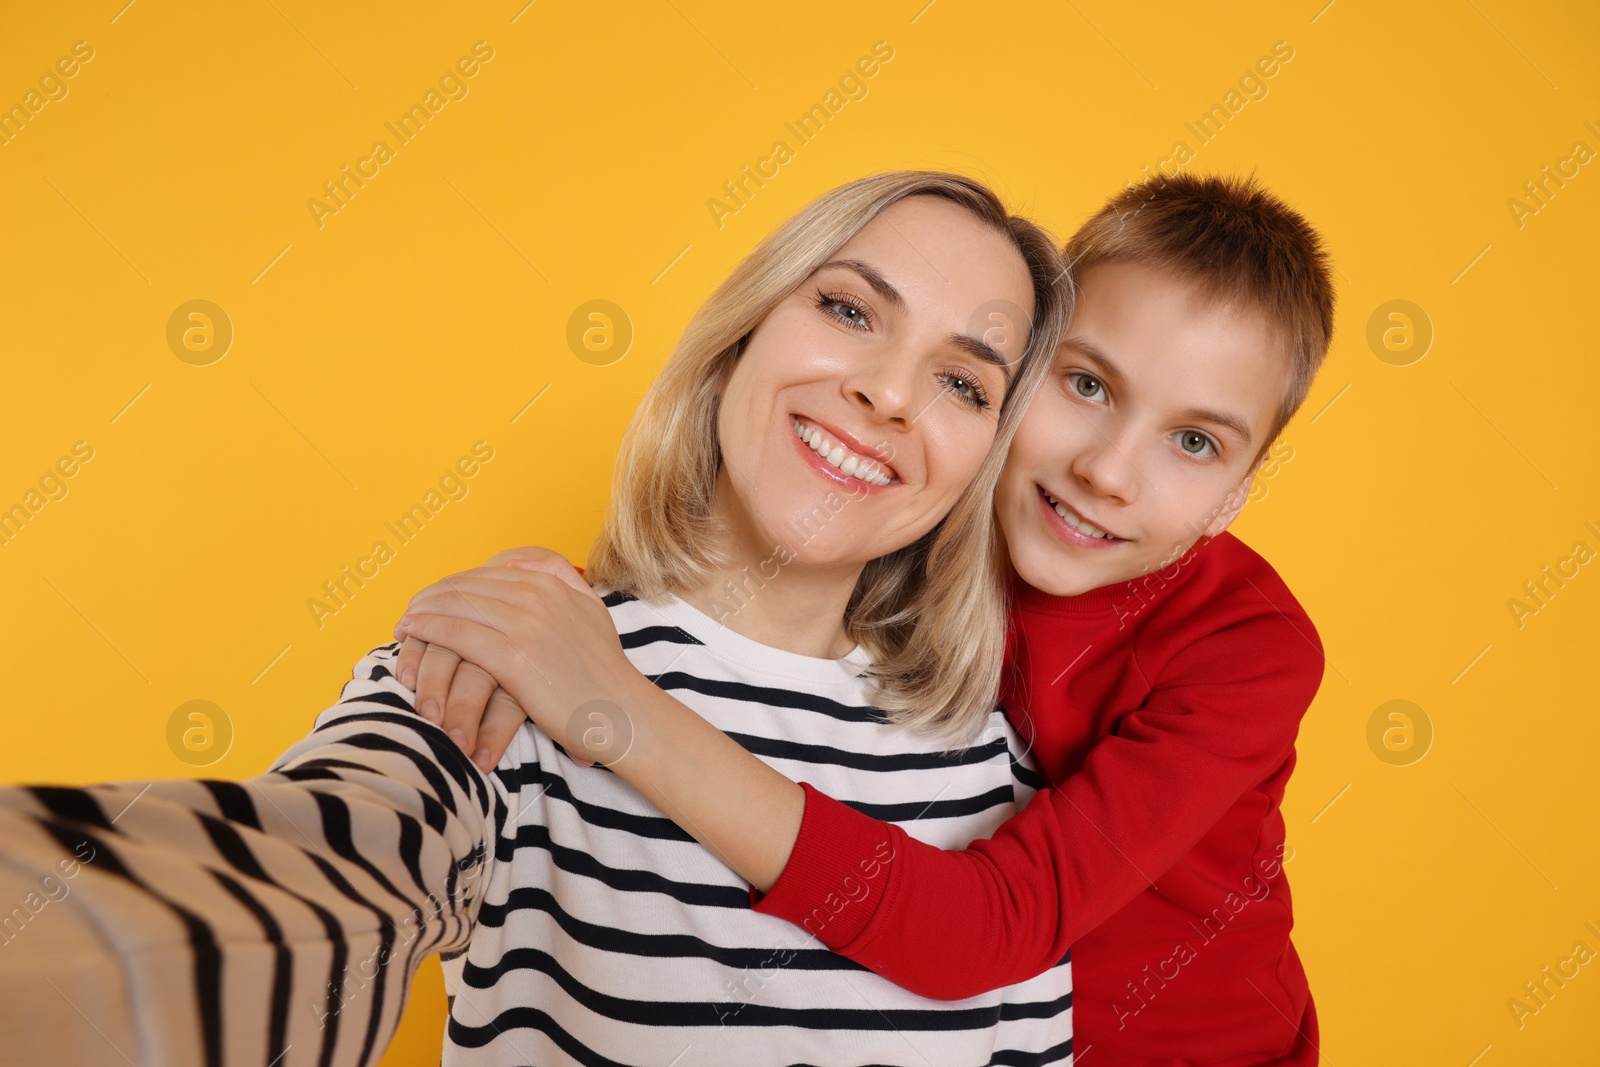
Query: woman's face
{"points": [[865, 401]]}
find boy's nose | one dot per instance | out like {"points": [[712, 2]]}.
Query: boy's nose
{"points": [[1108, 470]]}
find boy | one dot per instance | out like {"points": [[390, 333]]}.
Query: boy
{"points": [[1159, 666]]}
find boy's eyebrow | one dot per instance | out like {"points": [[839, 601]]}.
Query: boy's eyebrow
{"points": [[975, 346], [1233, 423], [1109, 370]]}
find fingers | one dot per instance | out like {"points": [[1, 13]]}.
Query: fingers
{"points": [[464, 708], [530, 552], [465, 637], [434, 673], [497, 597], [480, 580], [501, 721], [559, 568], [411, 650]]}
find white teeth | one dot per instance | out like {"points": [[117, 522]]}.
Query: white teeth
{"points": [[837, 455], [1073, 520]]}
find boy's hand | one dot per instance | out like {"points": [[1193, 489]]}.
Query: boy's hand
{"points": [[547, 639], [461, 696]]}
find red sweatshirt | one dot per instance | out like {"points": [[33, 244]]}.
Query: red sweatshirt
{"points": [[1164, 710]]}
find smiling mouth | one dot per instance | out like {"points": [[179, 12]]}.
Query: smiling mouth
{"points": [[1078, 522], [837, 455]]}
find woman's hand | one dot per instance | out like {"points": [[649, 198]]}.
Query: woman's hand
{"points": [[536, 629], [462, 697]]}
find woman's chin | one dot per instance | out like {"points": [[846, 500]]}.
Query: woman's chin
{"points": [[804, 540]]}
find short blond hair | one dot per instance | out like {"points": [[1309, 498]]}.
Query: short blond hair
{"points": [[931, 615]]}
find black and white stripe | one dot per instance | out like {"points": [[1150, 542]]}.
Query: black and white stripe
{"points": [[607, 935]]}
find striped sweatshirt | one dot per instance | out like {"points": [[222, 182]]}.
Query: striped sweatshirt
{"points": [[278, 920]]}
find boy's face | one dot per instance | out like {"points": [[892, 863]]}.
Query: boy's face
{"points": [[1148, 430]]}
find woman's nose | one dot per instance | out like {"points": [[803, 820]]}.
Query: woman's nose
{"points": [[886, 386]]}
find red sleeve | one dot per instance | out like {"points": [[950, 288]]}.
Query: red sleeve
{"points": [[955, 924]]}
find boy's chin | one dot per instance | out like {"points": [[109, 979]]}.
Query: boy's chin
{"points": [[1051, 570]]}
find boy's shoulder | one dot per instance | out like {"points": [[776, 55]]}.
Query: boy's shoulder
{"points": [[1233, 601], [1231, 580], [1219, 627]]}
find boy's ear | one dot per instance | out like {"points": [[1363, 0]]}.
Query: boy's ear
{"points": [[1235, 500]]}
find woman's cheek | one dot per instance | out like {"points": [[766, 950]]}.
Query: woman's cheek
{"points": [[976, 442]]}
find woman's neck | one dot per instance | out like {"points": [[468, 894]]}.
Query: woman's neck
{"points": [[763, 593]]}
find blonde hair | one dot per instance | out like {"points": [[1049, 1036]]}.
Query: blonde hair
{"points": [[931, 615]]}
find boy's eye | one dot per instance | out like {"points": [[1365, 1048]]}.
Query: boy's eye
{"points": [[1086, 385], [1195, 443]]}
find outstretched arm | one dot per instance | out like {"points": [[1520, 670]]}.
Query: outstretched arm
{"points": [[273, 921]]}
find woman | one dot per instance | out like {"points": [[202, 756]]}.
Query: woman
{"points": [[832, 422], [1168, 749]]}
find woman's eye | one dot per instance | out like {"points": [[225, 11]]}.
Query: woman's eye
{"points": [[845, 309], [967, 390], [1195, 443], [1086, 385]]}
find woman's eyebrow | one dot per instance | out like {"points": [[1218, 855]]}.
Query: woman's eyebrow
{"points": [[982, 350], [972, 345], [872, 277]]}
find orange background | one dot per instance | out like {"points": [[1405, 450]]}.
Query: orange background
{"points": [[1419, 489]]}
